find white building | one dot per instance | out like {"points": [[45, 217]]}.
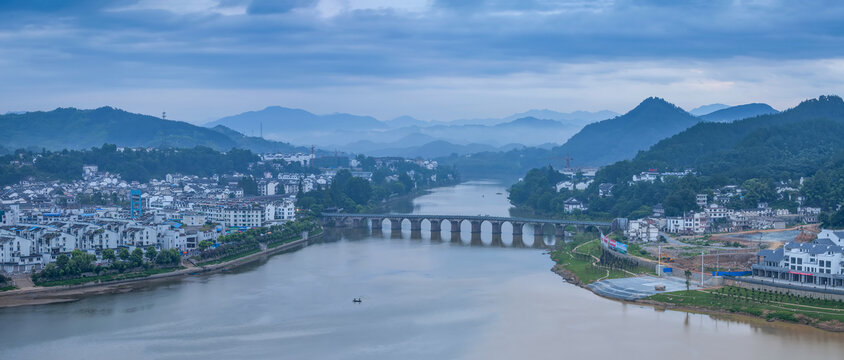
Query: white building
{"points": [[816, 263], [573, 204], [268, 188], [642, 230]]}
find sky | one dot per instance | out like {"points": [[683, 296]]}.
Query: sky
{"points": [[200, 60]]}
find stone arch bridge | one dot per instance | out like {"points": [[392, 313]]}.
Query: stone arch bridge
{"points": [[375, 221]]}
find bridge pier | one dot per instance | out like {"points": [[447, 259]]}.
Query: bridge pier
{"points": [[376, 223], [517, 228], [496, 228], [436, 236], [455, 225], [538, 230], [497, 241], [539, 242], [395, 224], [476, 239], [476, 226], [455, 237], [518, 241], [561, 232], [436, 225], [359, 222], [415, 224]]}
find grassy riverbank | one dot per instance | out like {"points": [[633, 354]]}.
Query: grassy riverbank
{"points": [[580, 259], [108, 277], [7, 288], [229, 257], [825, 314]]}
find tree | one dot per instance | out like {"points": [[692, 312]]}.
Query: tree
{"points": [[123, 254], [108, 255], [688, 279], [62, 261], [137, 257], [204, 244], [151, 253], [359, 190], [249, 186]]}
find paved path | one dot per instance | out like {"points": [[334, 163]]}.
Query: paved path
{"points": [[23, 281], [636, 287]]}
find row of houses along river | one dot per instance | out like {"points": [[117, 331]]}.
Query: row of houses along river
{"points": [[421, 299]]}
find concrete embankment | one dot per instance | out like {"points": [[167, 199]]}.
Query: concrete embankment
{"points": [[57, 294]]}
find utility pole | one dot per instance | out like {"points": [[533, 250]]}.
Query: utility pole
{"points": [[164, 129], [659, 261], [717, 261], [701, 268]]}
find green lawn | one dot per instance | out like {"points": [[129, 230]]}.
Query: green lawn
{"points": [[109, 277], [769, 305], [580, 263]]}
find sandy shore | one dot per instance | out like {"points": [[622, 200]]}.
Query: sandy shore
{"points": [[58, 294]]}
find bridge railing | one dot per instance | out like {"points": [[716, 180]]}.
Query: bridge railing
{"points": [[468, 217]]}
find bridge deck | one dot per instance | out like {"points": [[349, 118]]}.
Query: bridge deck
{"points": [[466, 217]]}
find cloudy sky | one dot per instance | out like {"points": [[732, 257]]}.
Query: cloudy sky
{"points": [[431, 59]]}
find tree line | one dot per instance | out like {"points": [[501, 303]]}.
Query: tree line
{"points": [[132, 165]]}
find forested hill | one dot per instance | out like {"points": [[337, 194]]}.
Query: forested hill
{"points": [[802, 147], [787, 144], [622, 137], [739, 112], [70, 128]]}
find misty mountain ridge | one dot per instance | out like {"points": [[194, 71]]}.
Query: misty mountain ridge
{"points": [[739, 112], [791, 144], [71, 128], [707, 109], [620, 138]]}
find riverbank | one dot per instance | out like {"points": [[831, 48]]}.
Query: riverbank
{"points": [[578, 265], [57, 294]]}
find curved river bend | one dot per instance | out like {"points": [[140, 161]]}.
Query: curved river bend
{"points": [[422, 299]]}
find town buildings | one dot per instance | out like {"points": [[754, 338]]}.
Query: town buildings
{"points": [[820, 262]]}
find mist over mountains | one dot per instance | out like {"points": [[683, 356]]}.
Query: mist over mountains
{"points": [[404, 135], [532, 139], [601, 143]]}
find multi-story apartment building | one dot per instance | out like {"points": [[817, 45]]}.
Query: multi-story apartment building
{"points": [[820, 262]]}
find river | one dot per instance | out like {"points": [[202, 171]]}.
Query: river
{"points": [[422, 299]]}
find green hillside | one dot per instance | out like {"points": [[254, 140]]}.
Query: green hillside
{"points": [[70, 128]]}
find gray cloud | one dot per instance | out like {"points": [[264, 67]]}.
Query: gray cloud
{"points": [[301, 44]]}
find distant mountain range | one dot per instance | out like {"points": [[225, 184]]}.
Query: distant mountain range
{"points": [[706, 109], [739, 112], [70, 128], [598, 143], [278, 122], [345, 131], [601, 143]]}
